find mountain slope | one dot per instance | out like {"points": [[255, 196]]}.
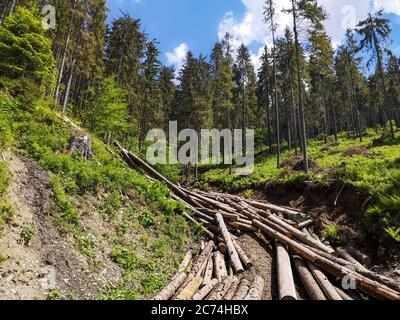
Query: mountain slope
{"points": [[101, 228]]}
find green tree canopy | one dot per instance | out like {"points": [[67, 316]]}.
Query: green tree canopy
{"points": [[25, 52]]}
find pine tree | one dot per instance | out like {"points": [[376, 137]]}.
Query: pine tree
{"points": [[306, 11], [374, 31], [168, 89], [245, 90], [264, 92], [25, 53], [151, 114]]}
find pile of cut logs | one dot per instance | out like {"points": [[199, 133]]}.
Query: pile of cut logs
{"points": [[216, 273]]}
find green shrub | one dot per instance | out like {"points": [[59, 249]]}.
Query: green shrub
{"points": [[28, 232], [124, 258], [332, 232], [2, 259], [147, 219], [69, 214], [5, 178], [6, 213]]}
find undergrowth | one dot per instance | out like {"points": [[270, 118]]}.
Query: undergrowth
{"points": [[148, 226]]}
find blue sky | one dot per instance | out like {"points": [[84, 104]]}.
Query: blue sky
{"points": [[180, 25]]}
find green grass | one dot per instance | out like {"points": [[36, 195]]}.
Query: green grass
{"points": [[147, 232], [375, 172]]}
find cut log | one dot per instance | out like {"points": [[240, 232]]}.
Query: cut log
{"points": [[287, 289], [276, 209], [343, 294], [311, 286], [232, 290], [204, 292], [361, 257], [199, 265], [241, 226], [299, 234], [325, 284], [256, 290], [346, 255], [365, 284], [190, 290], [186, 261], [209, 271], [305, 224], [242, 290], [365, 272], [168, 292], [236, 264], [242, 255], [220, 289], [220, 270]]}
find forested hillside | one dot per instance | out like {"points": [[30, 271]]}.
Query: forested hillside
{"points": [[320, 117]]}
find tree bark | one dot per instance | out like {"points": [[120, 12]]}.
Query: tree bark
{"points": [[237, 265], [219, 266], [311, 286], [324, 283], [67, 91], [64, 57], [300, 88], [361, 257], [287, 290], [190, 290], [220, 289], [168, 292], [256, 290], [204, 292], [242, 290], [365, 284], [3, 14], [232, 290], [13, 3]]}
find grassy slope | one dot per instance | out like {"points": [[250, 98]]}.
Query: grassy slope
{"points": [[376, 171], [143, 225]]}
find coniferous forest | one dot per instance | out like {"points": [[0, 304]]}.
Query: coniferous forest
{"points": [[326, 119]]}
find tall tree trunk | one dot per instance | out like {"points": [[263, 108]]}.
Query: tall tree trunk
{"points": [[269, 123], [382, 77], [326, 133], [354, 95], [244, 118], [289, 126], [143, 124], [299, 79], [3, 14], [67, 91], [333, 115], [13, 3], [278, 138], [230, 151], [64, 57], [294, 112]]}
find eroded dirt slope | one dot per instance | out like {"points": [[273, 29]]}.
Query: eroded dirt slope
{"points": [[47, 263]]}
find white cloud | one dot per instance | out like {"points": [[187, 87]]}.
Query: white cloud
{"points": [[177, 58], [343, 14]]}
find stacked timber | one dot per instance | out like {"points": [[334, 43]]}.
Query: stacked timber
{"points": [[216, 273]]}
